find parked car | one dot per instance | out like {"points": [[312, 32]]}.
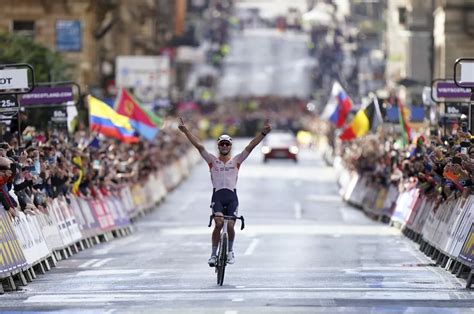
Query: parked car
{"points": [[280, 145]]}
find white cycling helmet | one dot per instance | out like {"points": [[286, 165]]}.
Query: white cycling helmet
{"points": [[224, 138]]}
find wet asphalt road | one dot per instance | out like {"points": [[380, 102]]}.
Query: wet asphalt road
{"points": [[303, 251]]}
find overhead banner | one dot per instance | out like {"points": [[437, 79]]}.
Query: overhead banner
{"points": [[13, 79], [448, 91], [48, 96]]}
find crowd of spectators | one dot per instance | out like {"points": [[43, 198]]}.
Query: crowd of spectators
{"points": [[54, 164], [244, 116], [439, 166]]}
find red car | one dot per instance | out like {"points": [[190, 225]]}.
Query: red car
{"points": [[280, 145]]}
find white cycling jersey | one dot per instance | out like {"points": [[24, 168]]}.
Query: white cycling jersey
{"points": [[224, 175]]}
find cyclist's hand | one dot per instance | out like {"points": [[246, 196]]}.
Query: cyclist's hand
{"points": [[181, 125], [267, 128]]}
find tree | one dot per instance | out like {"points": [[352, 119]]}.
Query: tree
{"points": [[49, 66]]}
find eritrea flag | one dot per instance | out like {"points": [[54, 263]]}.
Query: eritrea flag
{"points": [[143, 121]]}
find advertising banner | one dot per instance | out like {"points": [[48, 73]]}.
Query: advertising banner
{"points": [[44, 95], [11, 255], [467, 251], [448, 91]]}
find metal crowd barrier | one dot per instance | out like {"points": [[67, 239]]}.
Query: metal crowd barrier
{"points": [[33, 244], [444, 230]]}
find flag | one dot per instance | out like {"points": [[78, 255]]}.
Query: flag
{"points": [[406, 132], [94, 143], [338, 106], [104, 120], [362, 122], [145, 122]]}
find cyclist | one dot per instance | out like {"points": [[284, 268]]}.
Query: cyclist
{"points": [[224, 172]]}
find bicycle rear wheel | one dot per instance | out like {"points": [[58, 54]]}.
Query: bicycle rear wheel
{"points": [[222, 260]]}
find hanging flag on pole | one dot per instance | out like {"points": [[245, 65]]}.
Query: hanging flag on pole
{"points": [[145, 122], [106, 121], [406, 131], [338, 106], [363, 121]]}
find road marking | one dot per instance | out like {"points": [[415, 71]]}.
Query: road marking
{"points": [[415, 293], [251, 247], [324, 198], [88, 263], [109, 272], [102, 262], [298, 210], [310, 229], [231, 312], [237, 300], [121, 243]]}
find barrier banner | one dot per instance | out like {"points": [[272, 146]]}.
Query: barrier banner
{"points": [[91, 226], [60, 221], [464, 227], [71, 221], [31, 238], [104, 219], [11, 255], [467, 251], [50, 232]]}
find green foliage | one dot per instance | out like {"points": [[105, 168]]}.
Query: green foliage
{"points": [[48, 65]]}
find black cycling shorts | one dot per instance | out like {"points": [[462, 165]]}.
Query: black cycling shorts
{"points": [[225, 201]]}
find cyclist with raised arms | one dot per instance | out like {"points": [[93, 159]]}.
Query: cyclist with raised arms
{"points": [[224, 172]]}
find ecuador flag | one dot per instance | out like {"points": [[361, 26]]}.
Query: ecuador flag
{"points": [[106, 121]]}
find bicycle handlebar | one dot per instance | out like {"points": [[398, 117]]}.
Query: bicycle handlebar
{"points": [[241, 218]]}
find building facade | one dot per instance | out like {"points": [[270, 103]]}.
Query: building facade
{"points": [[90, 34]]}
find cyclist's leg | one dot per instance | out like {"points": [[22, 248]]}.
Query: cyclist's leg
{"points": [[232, 210], [218, 211]]}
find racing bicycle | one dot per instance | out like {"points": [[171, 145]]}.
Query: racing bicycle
{"points": [[224, 246]]}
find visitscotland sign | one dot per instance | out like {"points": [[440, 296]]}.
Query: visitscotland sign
{"points": [[11, 79], [448, 91], [43, 95]]}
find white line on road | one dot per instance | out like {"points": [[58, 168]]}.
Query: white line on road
{"points": [[123, 242], [102, 262], [252, 247], [237, 300], [231, 312], [298, 210], [324, 198], [88, 263]]}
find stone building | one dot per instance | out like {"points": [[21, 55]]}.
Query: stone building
{"points": [[453, 34], [91, 33]]}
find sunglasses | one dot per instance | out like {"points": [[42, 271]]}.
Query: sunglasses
{"points": [[225, 144]]}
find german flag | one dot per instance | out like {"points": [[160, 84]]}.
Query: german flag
{"points": [[362, 122]]}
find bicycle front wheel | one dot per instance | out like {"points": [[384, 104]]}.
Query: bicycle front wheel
{"points": [[222, 260]]}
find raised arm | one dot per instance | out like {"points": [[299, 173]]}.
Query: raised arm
{"points": [[257, 139], [193, 139]]}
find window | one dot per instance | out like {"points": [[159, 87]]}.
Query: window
{"points": [[24, 28], [402, 16]]}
